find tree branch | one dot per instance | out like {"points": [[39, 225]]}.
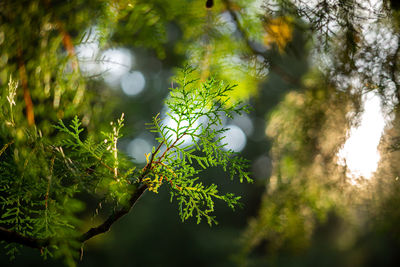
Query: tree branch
{"points": [[14, 237], [105, 226]]}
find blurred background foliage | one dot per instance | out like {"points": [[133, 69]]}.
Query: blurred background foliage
{"points": [[307, 68]]}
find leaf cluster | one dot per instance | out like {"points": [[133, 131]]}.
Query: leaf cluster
{"points": [[191, 139]]}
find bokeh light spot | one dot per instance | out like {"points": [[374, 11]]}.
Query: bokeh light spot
{"points": [[360, 152], [245, 123], [137, 149], [115, 63], [235, 138], [133, 83]]}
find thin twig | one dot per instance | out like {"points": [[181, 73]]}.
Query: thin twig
{"points": [[5, 147]]}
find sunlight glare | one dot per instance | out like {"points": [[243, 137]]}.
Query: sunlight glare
{"points": [[360, 151]]}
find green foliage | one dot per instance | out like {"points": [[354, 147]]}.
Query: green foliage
{"points": [[195, 111], [99, 162], [43, 203]]}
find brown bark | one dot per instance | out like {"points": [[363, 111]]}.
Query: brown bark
{"points": [[30, 116]]}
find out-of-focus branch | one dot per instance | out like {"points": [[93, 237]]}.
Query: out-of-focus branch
{"points": [[394, 69], [27, 95], [68, 45], [253, 48]]}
